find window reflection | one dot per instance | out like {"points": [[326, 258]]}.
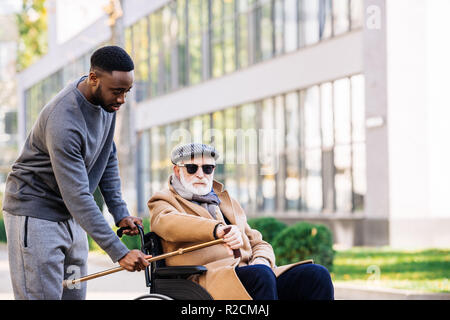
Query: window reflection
{"points": [[290, 25], [325, 19], [341, 19], [293, 173], [312, 118], [243, 33], [309, 22], [342, 113], [357, 13], [195, 40], [267, 156], [140, 49], [343, 178]]}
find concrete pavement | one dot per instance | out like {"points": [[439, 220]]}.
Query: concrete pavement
{"points": [[122, 285]]}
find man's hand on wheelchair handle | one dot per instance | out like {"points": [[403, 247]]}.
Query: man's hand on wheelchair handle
{"points": [[131, 222], [134, 260]]}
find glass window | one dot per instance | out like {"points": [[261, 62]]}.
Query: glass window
{"points": [[359, 152], [309, 22], [359, 175], [268, 155], [325, 19], [217, 37], [229, 36], [168, 43], [156, 164], [293, 155], [141, 59], [313, 180], [356, 13], [181, 28], [196, 129], [144, 191], [243, 33], [312, 118], [342, 112], [230, 178], [129, 40], [326, 103], [280, 156], [358, 109], [218, 140], [265, 30], [195, 40], [247, 157], [290, 25], [156, 73], [343, 177], [341, 16], [278, 26]]}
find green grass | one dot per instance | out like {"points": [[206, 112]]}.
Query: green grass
{"points": [[421, 270]]}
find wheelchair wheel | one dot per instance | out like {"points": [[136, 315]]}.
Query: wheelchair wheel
{"points": [[153, 296]]}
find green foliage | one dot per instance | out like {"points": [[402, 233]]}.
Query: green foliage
{"points": [[303, 241], [2, 230], [268, 226], [32, 25]]}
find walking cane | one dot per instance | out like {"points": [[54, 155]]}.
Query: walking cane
{"points": [[236, 253]]}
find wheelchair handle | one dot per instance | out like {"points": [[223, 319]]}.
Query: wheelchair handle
{"points": [[122, 229]]}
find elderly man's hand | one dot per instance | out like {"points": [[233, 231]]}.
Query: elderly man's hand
{"points": [[233, 238], [131, 222]]}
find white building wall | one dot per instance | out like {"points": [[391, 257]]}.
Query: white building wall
{"points": [[418, 161]]}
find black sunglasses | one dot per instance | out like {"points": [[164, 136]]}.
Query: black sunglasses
{"points": [[192, 168]]}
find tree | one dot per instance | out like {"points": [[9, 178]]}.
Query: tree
{"points": [[32, 25]]}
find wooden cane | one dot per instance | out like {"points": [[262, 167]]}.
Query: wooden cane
{"points": [[236, 253]]}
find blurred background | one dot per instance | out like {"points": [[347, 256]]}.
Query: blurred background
{"points": [[328, 112]]}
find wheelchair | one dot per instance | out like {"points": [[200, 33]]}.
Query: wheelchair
{"points": [[167, 283]]}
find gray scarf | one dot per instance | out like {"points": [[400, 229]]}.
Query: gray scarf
{"points": [[208, 201]]}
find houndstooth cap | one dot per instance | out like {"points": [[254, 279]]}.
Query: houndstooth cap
{"points": [[192, 150]]}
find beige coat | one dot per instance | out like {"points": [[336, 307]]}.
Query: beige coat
{"points": [[181, 223]]}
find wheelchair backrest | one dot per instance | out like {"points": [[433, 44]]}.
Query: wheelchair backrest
{"points": [[152, 245]]}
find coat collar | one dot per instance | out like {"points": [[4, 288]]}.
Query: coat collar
{"points": [[226, 206]]}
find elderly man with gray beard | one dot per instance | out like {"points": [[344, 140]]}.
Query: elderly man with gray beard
{"points": [[195, 208]]}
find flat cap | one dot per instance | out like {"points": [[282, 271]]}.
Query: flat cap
{"points": [[193, 150]]}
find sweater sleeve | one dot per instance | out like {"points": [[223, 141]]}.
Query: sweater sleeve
{"points": [[110, 188], [64, 148]]}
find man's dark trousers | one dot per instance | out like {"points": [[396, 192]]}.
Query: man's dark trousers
{"points": [[302, 282]]}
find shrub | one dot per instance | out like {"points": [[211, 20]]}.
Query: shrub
{"points": [[303, 241], [268, 226], [2, 230]]}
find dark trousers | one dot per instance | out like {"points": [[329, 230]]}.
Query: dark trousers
{"points": [[302, 282]]}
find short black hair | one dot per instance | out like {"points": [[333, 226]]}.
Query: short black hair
{"points": [[112, 58]]}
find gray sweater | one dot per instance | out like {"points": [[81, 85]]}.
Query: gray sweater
{"points": [[68, 153]]}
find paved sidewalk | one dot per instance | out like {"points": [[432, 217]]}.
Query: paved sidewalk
{"points": [[122, 285]]}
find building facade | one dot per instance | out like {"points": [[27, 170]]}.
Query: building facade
{"points": [[299, 97]]}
